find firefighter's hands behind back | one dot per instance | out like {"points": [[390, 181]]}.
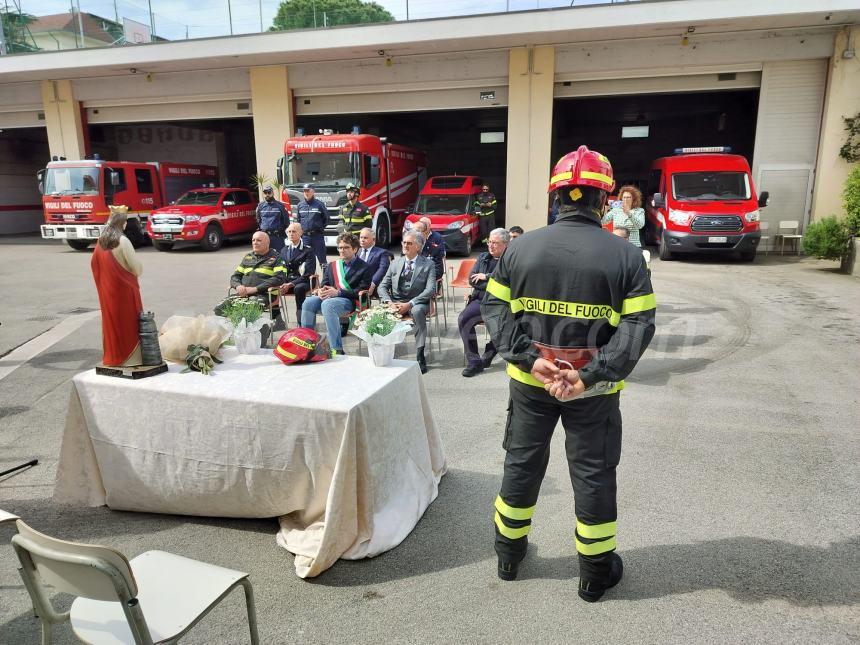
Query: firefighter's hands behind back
{"points": [[566, 386]]}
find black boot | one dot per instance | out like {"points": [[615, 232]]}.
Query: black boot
{"points": [[593, 590], [508, 570], [265, 330], [473, 369], [422, 362]]}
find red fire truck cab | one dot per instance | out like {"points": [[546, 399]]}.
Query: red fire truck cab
{"points": [[205, 216], [388, 176], [76, 195], [703, 201], [449, 202]]}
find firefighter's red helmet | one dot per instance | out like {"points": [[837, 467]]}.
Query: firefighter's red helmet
{"points": [[302, 345], [582, 168]]}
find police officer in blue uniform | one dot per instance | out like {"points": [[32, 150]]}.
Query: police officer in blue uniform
{"points": [[312, 214], [272, 218]]}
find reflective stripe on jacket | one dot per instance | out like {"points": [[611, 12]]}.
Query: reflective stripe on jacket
{"points": [[571, 285]]}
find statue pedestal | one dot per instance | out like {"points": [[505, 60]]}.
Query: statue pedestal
{"points": [[136, 372]]}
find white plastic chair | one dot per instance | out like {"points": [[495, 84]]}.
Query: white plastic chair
{"points": [[764, 226], [154, 598], [788, 225]]}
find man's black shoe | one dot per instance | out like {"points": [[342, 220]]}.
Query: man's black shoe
{"points": [[487, 359], [508, 570], [473, 370], [422, 362], [264, 336], [280, 325], [592, 591]]}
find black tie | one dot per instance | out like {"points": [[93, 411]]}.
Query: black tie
{"points": [[407, 271]]}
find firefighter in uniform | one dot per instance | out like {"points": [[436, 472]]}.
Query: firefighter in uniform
{"points": [[485, 205], [571, 309], [354, 215], [272, 218]]}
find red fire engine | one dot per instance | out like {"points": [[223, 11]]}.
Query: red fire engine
{"points": [[76, 195], [389, 177]]}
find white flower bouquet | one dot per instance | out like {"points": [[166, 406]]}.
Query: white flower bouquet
{"points": [[382, 329], [245, 316]]}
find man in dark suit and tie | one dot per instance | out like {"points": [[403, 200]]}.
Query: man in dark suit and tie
{"points": [[408, 286], [374, 257], [295, 254]]}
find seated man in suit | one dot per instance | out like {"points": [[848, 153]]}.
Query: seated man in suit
{"points": [[375, 257], [342, 280], [431, 250], [497, 242], [408, 286], [296, 252]]}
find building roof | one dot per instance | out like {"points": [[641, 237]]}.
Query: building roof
{"points": [[95, 27]]}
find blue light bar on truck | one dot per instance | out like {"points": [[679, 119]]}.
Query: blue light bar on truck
{"points": [[685, 151]]}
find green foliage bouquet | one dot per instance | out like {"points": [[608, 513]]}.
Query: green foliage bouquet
{"points": [[381, 328], [239, 310]]}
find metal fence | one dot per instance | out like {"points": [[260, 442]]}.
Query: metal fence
{"points": [[51, 25]]}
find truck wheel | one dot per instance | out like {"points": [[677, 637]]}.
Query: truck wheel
{"points": [[134, 233], [79, 245], [383, 232], [213, 238], [665, 253], [162, 246], [747, 256]]}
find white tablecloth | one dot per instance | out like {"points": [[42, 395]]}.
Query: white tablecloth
{"points": [[346, 454]]}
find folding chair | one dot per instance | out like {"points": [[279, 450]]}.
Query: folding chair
{"points": [[793, 235], [285, 314], [462, 279], [440, 295], [764, 226], [432, 315], [155, 597]]}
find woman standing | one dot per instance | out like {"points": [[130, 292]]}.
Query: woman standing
{"points": [[116, 270], [629, 215]]}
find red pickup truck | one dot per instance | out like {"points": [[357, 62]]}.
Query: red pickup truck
{"points": [[204, 216]]}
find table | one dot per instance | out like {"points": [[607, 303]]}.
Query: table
{"points": [[345, 454]]}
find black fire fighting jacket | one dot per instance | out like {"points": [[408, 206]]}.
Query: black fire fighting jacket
{"points": [[261, 271], [571, 285]]}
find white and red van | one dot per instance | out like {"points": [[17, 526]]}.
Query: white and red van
{"points": [[702, 200], [449, 202], [76, 195], [204, 216]]}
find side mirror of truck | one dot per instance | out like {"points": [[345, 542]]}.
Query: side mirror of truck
{"points": [[763, 199], [280, 171], [40, 177], [657, 201], [114, 178]]}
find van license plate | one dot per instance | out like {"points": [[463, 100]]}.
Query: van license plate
{"points": [[718, 240], [167, 236]]}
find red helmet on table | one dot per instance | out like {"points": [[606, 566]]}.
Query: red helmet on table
{"points": [[302, 345], [583, 167]]}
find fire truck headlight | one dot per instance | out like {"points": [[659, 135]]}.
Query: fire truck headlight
{"points": [[681, 218], [192, 218], [752, 216], [455, 225]]}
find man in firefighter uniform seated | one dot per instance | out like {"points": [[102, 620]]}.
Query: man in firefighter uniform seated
{"points": [[342, 281], [431, 250], [259, 271], [471, 314], [408, 286], [354, 215], [572, 310], [299, 265], [272, 218], [485, 207]]}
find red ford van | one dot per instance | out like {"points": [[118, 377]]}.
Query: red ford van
{"points": [[702, 200]]}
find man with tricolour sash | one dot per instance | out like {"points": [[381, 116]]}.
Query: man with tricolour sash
{"points": [[342, 281]]}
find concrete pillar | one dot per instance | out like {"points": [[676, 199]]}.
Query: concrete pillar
{"points": [[531, 74], [841, 100], [274, 118], [66, 135]]}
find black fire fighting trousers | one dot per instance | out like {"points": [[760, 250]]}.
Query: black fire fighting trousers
{"points": [[593, 445]]}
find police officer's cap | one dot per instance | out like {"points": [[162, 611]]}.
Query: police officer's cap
{"points": [[307, 187], [268, 188]]}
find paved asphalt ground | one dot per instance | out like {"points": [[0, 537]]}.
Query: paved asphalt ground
{"points": [[738, 496]]}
